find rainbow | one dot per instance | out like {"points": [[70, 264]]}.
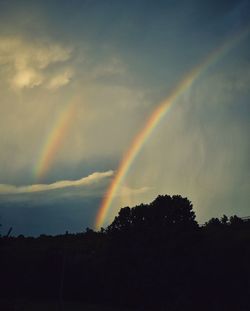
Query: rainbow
{"points": [[54, 140], [154, 120]]}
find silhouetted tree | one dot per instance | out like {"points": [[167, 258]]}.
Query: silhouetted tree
{"points": [[235, 221], [224, 220], [213, 223], [165, 212]]}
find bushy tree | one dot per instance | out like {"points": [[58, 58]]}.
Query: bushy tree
{"points": [[165, 212]]}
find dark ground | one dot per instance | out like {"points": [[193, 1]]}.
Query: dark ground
{"points": [[152, 257], [54, 306]]}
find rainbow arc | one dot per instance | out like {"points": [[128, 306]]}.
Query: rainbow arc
{"points": [[155, 118]]}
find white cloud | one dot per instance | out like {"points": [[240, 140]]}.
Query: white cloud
{"points": [[60, 80], [27, 78], [85, 181], [28, 61]]}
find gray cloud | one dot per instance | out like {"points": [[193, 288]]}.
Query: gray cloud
{"points": [[63, 205]]}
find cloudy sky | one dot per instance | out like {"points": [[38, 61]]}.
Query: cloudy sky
{"points": [[79, 79]]}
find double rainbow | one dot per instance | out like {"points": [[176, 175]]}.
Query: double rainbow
{"points": [[154, 120]]}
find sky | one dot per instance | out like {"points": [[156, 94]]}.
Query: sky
{"points": [[80, 79]]}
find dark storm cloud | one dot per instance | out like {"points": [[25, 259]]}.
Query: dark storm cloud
{"points": [[52, 208]]}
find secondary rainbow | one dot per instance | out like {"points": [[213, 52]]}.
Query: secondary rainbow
{"points": [[54, 140], [155, 118]]}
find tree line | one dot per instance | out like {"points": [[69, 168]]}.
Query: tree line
{"points": [[151, 257]]}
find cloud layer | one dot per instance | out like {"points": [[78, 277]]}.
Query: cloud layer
{"points": [[85, 181], [27, 62]]}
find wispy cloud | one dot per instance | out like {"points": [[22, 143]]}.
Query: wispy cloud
{"points": [[94, 178], [113, 66], [60, 79], [27, 61]]}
